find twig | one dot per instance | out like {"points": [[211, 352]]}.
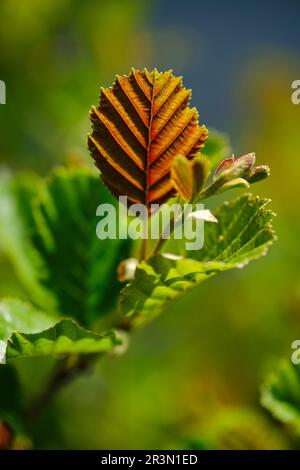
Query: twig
{"points": [[143, 252], [169, 229], [63, 375]]}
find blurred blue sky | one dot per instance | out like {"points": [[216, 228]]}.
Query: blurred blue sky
{"points": [[213, 42]]}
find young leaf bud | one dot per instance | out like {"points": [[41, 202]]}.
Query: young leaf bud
{"points": [[189, 176], [235, 183], [224, 166], [126, 269], [235, 168], [258, 173]]}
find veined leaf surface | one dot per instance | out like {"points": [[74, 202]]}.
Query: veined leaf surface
{"points": [[52, 242], [28, 332], [140, 125], [16, 315], [280, 394], [243, 233], [65, 338]]}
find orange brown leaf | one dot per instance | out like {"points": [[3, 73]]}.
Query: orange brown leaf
{"points": [[140, 125]]}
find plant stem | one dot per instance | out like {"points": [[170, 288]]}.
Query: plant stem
{"points": [[211, 189], [63, 375], [167, 231], [66, 372], [143, 252], [162, 240]]}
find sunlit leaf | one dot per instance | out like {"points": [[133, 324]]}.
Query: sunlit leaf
{"points": [[28, 332], [242, 234], [140, 125], [16, 213], [240, 429], [189, 176], [16, 315], [64, 266], [64, 338], [233, 184], [281, 394]]}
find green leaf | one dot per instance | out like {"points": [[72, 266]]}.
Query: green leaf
{"points": [[280, 394], [189, 176], [16, 315], [158, 282], [64, 338], [28, 332], [233, 184], [239, 428], [243, 233], [65, 267], [16, 196]]}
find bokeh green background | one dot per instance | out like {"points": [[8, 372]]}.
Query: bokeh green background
{"points": [[190, 379]]}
